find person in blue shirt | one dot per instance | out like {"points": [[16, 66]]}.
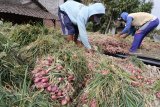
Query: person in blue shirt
{"points": [[74, 17], [145, 22]]}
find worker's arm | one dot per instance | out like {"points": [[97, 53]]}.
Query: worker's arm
{"points": [[131, 32], [82, 32], [128, 25], [127, 30]]}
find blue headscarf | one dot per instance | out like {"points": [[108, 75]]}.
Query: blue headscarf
{"points": [[124, 16]]}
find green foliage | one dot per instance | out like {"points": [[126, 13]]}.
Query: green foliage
{"points": [[74, 61], [157, 85], [112, 90], [44, 45], [11, 65], [144, 7], [21, 46], [26, 34], [23, 95]]}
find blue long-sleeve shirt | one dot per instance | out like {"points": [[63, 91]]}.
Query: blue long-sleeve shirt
{"points": [[79, 15], [128, 25]]}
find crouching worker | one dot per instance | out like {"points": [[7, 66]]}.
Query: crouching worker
{"points": [[74, 17], [144, 21]]}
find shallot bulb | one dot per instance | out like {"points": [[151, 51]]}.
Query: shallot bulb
{"points": [[64, 101]]}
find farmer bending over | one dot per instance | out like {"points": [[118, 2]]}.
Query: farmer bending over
{"points": [[74, 17], [146, 23]]}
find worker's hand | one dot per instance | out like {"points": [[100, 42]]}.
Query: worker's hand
{"points": [[79, 43], [124, 36]]}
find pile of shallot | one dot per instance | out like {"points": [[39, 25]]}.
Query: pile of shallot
{"points": [[111, 45], [50, 75]]}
